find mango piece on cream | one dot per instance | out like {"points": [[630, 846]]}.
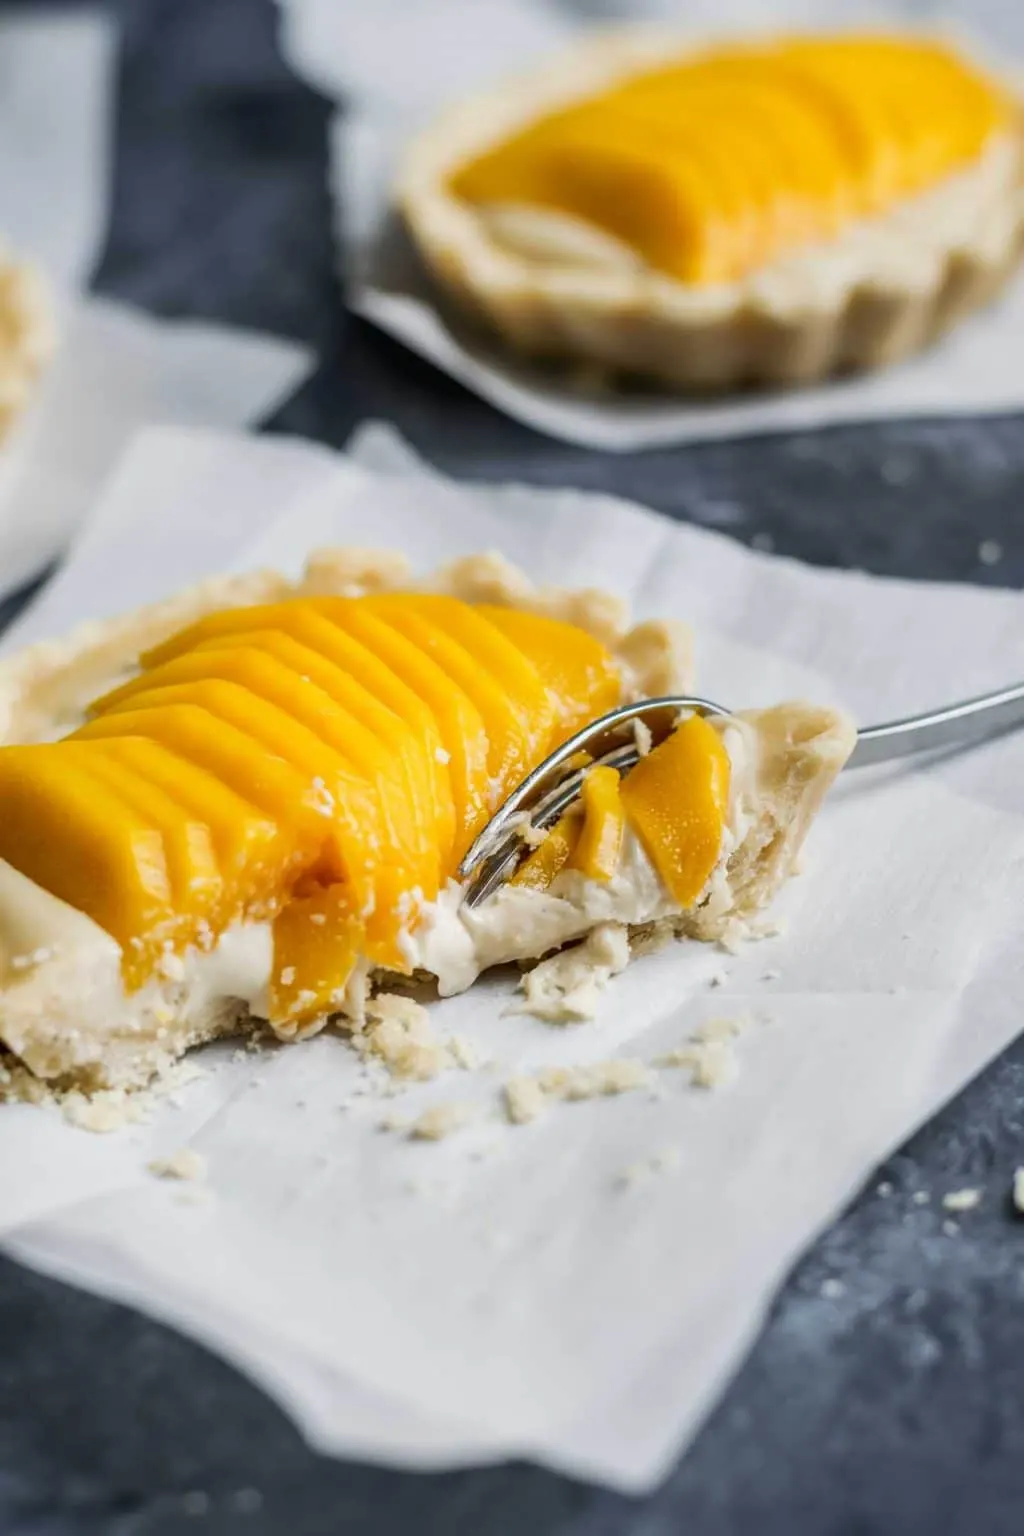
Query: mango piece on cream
{"points": [[676, 800]]}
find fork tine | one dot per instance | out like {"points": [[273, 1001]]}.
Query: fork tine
{"points": [[545, 793]]}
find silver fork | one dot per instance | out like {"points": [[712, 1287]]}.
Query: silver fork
{"points": [[549, 790]]}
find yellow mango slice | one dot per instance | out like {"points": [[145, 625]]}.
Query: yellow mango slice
{"points": [[74, 837], [307, 621], [344, 712], [260, 776], [676, 799], [550, 857], [317, 941], [367, 851], [318, 651], [326, 740], [578, 670], [779, 140], [502, 660], [598, 847], [459, 723], [511, 749], [197, 888], [246, 843]]}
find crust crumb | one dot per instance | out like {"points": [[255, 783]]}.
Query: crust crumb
{"points": [[398, 1033], [566, 989], [596, 1079], [961, 1199], [347, 572], [441, 1120], [525, 1099], [111, 1109], [709, 1055], [185, 1164]]}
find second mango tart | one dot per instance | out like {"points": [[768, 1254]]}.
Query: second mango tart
{"points": [[771, 210], [252, 802]]}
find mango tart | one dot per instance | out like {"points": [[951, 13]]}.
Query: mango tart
{"points": [[763, 211], [252, 802]]}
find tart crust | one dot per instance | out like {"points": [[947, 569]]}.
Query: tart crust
{"points": [[878, 293], [64, 1017], [27, 335]]}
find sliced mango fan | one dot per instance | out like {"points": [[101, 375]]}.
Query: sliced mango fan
{"points": [[711, 166]]}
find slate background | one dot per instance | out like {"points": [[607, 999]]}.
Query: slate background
{"points": [[894, 1409]]}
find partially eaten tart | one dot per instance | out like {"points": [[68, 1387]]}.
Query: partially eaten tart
{"points": [[252, 801], [765, 211]]}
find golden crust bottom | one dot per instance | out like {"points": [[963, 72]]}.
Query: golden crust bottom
{"points": [[607, 346]]}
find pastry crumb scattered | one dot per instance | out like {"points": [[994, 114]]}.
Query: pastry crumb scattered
{"points": [[596, 1079], [961, 1199], [884, 1189], [463, 1053], [990, 551], [711, 1063], [525, 1099], [441, 1120], [399, 1034], [832, 1288], [920, 1197], [111, 1109], [951, 1228], [185, 1164]]}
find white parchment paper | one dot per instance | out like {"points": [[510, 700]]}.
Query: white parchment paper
{"points": [[116, 369], [504, 1293], [458, 46]]}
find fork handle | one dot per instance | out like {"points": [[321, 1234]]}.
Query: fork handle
{"points": [[956, 725]]}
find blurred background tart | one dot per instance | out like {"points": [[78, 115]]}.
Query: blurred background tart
{"points": [[753, 212]]}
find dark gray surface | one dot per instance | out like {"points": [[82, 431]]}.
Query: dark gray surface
{"points": [[893, 1408]]}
